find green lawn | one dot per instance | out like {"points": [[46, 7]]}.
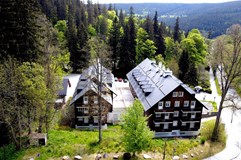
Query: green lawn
{"points": [[75, 142]]}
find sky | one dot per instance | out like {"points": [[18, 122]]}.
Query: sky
{"points": [[160, 1]]}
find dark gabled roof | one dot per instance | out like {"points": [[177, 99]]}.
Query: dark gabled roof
{"points": [[152, 83], [87, 83]]}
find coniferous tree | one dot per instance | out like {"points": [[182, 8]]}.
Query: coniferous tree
{"points": [[90, 11], [158, 36], [19, 30], [132, 38], [183, 65], [121, 18], [114, 39], [61, 9], [148, 26], [176, 32]]}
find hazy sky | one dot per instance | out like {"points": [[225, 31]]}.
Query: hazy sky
{"points": [[161, 1]]}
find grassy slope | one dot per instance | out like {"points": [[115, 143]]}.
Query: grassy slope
{"points": [[74, 142]]}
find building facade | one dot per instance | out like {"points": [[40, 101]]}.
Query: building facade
{"points": [[91, 95], [170, 105]]}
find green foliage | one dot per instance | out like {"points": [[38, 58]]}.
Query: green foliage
{"points": [[137, 135], [61, 25], [145, 47], [207, 129], [195, 45], [7, 152], [91, 30]]}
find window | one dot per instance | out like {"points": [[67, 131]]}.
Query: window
{"points": [[160, 105], [80, 119], [158, 115], [193, 104], [193, 115], [165, 126], [174, 123], [192, 125], [186, 104], [85, 99], [157, 124], [174, 94], [180, 94], [184, 114], [95, 100], [175, 114], [177, 103], [86, 120], [166, 115], [168, 104], [83, 109], [184, 123], [96, 120]]}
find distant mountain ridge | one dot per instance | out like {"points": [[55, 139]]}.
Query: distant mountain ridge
{"points": [[210, 17]]}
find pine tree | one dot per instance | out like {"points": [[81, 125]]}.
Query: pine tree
{"points": [[121, 18], [19, 30], [148, 26], [158, 37], [183, 65], [114, 40], [176, 32]]}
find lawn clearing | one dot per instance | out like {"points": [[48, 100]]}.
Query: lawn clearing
{"points": [[73, 142]]}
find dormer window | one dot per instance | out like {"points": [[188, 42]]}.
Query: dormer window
{"points": [[160, 105], [85, 99], [174, 94]]}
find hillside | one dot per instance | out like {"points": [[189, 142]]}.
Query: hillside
{"points": [[209, 17]]}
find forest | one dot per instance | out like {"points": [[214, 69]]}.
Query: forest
{"points": [[223, 15], [43, 40]]}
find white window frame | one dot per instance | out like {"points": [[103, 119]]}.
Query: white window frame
{"points": [[177, 104], [95, 99], [157, 124], [193, 104], [85, 99], [167, 115], [193, 115], [184, 114], [160, 105], [83, 109], [174, 123], [192, 125], [186, 103], [184, 123], [180, 94], [158, 115], [168, 104], [86, 120], [166, 126], [175, 113], [174, 94], [96, 119]]}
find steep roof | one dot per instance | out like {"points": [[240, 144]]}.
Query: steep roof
{"points": [[87, 82], [152, 83]]}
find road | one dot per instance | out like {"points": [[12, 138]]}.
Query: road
{"points": [[232, 150]]}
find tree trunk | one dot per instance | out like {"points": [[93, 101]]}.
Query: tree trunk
{"points": [[215, 130]]}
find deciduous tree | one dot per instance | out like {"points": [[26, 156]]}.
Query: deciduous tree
{"points": [[137, 135]]}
